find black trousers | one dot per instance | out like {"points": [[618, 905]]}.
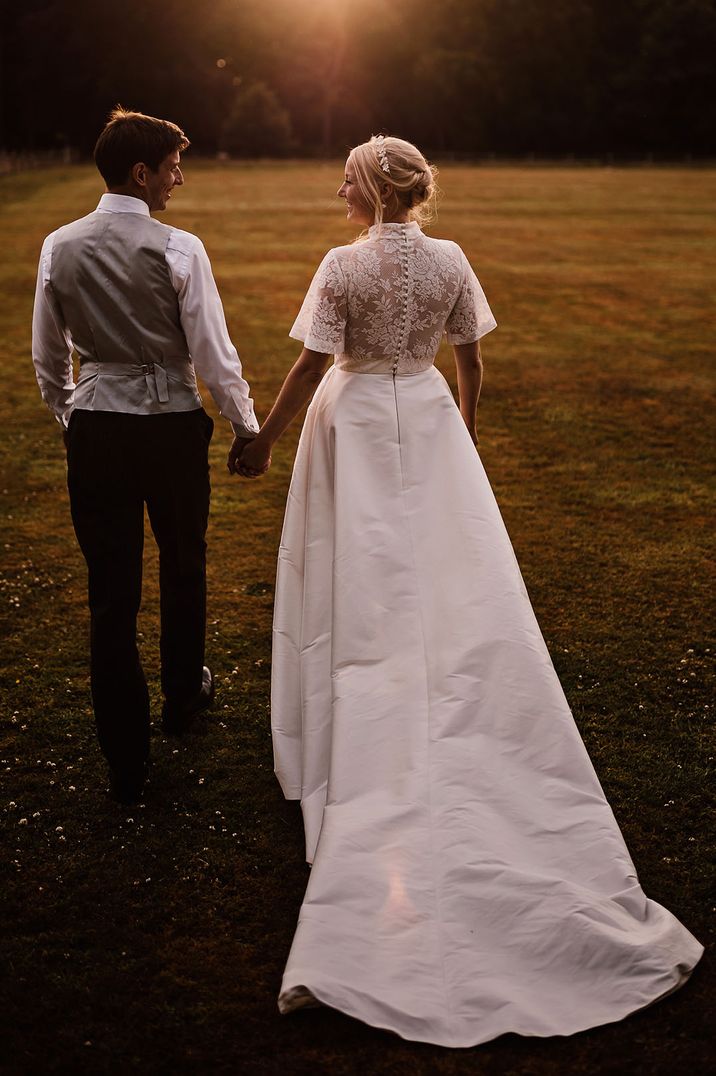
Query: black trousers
{"points": [[116, 464]]}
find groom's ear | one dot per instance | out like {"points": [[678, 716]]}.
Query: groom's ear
{"points": [[139, 174]]}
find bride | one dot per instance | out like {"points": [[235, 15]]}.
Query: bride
{"points": [[469, 878]]}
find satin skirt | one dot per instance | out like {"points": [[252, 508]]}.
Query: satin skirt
{"points": [[469, 877]]}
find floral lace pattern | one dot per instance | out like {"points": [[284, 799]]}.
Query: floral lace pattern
{"points": [[390, 298]]}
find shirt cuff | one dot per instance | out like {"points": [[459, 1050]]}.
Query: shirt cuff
{"points": [[244, 432], [64, 416]]}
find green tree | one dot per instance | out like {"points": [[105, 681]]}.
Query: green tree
{"points": [[257, 126]]}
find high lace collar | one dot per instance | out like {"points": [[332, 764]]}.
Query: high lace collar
{"points": [[394, 231]]}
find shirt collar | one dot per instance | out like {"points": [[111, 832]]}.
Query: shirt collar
{"points": [[122, 203], [394, 231]]}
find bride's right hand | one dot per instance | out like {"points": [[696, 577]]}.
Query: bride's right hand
{"points": [[255, 459]]}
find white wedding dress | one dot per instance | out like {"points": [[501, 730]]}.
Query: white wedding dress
{"points": [[469, 877]]}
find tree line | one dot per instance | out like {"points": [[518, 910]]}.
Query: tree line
{"points": [[311, 77]]}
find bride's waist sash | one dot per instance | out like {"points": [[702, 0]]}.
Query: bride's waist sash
{"points": [[401, 368]]}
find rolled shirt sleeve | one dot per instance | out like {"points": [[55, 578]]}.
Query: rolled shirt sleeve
{"points": [[52, 344], [202, 317]]}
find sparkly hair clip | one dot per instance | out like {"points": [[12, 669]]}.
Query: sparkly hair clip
{"points": [[382, 155]]}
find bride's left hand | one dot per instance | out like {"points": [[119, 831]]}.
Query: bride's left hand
{"points": [[255, 459]]}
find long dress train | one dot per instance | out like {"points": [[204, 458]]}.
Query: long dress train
{"points": [[469, 877]]}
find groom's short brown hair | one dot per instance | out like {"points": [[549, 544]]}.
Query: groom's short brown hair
{"points": [[131, 137]]}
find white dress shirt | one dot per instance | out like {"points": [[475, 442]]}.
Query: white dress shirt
{"points": [[202, 319]]}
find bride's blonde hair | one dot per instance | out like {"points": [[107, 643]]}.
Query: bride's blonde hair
{"points": [[385, 159]]}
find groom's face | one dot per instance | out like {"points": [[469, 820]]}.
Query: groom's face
{"points": [[159, 184]]}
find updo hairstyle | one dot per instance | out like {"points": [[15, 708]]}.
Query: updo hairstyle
{"points": [[413, 180]]}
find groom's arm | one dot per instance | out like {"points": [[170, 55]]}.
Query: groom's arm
{"points": [[202, 316], [51, 345]]}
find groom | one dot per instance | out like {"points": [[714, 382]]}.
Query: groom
{"points": [[137, 302]]}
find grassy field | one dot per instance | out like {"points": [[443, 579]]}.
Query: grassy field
{"points": [[152, 940]]}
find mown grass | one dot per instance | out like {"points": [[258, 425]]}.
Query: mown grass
{"points": [[153, 940]]}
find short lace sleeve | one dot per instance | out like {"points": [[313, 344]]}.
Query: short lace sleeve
{"points": [[470, 317], [321, 321]]}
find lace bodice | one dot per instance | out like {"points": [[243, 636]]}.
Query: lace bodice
{"points": [[390, 298]]}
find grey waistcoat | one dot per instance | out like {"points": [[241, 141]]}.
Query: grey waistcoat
{"points": [[109, 275]]}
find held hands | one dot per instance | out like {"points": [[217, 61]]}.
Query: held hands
{"points": [[249, 457]]}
